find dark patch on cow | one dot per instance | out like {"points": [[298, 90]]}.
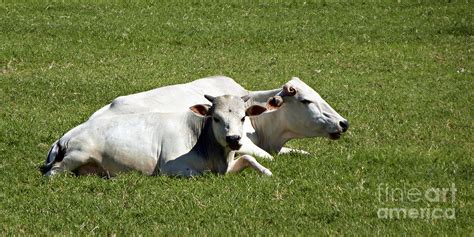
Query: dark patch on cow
{"points": [[58, 158]]}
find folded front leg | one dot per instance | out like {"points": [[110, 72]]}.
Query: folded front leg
{"points": [[286, 150], [249, 148], [245, 161]]}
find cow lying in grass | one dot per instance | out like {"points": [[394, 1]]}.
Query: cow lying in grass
{"points": [[303, 113], [180, 144]]}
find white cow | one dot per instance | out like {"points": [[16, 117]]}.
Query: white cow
{"points": [[185, 143], [303, 112]]}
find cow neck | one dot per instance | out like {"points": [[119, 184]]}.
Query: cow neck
{"points": [[269, 126], [271, 131], [209, 149]]}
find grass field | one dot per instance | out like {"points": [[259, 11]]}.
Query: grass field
{"points": [[400, 71]]}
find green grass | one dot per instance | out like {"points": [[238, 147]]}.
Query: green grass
{"points": [[402, 73]]}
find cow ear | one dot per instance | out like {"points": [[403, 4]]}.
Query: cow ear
{"points": [[288, 90], [200, 110], [255, 110], [274, 102]]}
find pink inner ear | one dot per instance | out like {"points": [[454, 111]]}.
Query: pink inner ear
{"points": [[274, 102], [199, 109], [255, 110]]}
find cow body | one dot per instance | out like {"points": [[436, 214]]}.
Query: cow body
{"points": [[180, 143], [173, 98], [302, 114]]}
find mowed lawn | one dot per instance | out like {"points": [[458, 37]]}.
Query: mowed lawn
{"points": [[400, 71]]}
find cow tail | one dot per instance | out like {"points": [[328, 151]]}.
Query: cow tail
{"points": [[55, 154]]}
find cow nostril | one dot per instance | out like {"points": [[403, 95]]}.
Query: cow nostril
{"points": [[344, 125], [232, 139]]}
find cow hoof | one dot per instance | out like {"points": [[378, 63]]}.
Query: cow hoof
{"points": [[267, 157], [267, 172]]}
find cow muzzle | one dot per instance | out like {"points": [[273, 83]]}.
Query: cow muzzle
{"points": [[344, 124], [233, 142]]}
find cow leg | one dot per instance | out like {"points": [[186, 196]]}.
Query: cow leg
{"points": [[249, 148], [245, 161], [286, 150], [71, 162]]}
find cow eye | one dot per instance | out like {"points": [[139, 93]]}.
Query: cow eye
{"points": [[243, 119], [306, 102], [216, 120]]}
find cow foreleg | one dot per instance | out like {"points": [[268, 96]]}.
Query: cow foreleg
{"points": [[245, 161], [71, 162], [249, 148], [286, 150]]}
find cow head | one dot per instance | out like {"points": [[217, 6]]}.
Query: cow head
{"points": [[228, 116], [306, 113]]}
